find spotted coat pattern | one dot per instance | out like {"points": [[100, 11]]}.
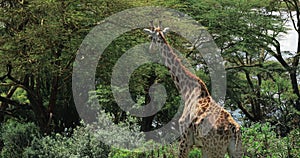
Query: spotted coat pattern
{"points": [[203, 123]]}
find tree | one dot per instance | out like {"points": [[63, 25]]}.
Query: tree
{"points": [[292, 66], [247, 34], [140, 81], [38, 46]]}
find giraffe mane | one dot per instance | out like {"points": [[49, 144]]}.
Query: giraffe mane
{"points": [[193, 76]]}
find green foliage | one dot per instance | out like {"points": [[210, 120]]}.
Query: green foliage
{"points": [[24, 140], [169, 151], [117, 153], [123, 135], [195, 153], [293, 140], [16, 137], [20, 95], [40, 40], [260, 140], [80, 143]]}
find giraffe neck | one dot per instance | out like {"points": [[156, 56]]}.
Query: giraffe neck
{"points": [[184, 80]]}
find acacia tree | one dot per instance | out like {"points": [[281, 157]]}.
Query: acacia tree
{"points": [[247, 35], [292, 66], [38, 47]]}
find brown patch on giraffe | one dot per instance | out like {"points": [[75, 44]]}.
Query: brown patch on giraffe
{"points": [[168, 63]]}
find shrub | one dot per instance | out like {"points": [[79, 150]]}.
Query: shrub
{"points": [[24, 140], [16, 137], [169, 151], [195, 153], [82, 143], [293, 141], [259, 140]]}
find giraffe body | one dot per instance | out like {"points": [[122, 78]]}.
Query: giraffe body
{"points": [[204, 123], [213, 130]]}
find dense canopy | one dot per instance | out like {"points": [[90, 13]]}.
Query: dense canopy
{"points": [[41, 38]]}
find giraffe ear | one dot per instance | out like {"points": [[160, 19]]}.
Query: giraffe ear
{"points": [[148, 31], [166, 30]]}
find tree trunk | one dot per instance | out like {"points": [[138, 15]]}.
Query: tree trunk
{"points": [[33, 87]]}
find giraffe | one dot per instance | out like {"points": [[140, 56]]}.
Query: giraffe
{"points": [[203, 123]]}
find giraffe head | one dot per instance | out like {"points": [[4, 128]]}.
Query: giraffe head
{"points": [[156, 34]]}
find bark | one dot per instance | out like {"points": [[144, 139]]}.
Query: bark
{"points": [[53, 98], [256, 108], [5, 100], [4, 104], [33, 87]]}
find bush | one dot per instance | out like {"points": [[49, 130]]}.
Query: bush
{"points": [[259, 140], [195, 153], [168, 151], [293, 141], [82, 143], [24, 140], [16, 137]]}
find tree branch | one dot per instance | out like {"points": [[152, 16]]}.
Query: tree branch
{"points": [[245, 111], [12, 102], [8, 74], [243, 66], [288, 3]]}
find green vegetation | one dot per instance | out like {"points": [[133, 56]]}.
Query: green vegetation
{"points": [[24, 140], [38, 45]]}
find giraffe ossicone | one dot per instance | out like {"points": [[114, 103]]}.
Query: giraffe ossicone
{"points": [[153, 33], [203, 123]]}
